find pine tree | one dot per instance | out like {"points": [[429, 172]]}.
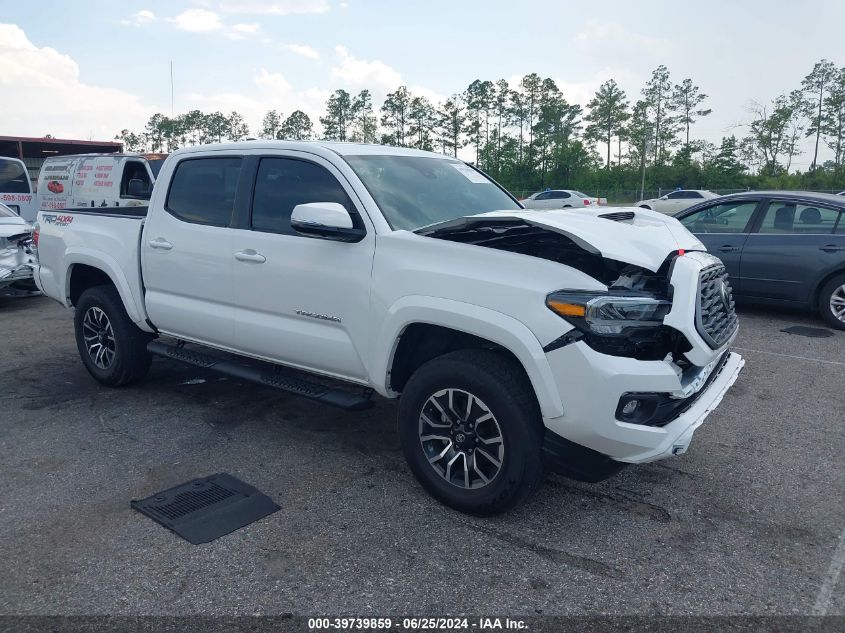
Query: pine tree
{"points": [[297, 127], [270, 124], [816, 87], [394, 115], [364, 125], [338, 117], [687, 98], [607, 115]]}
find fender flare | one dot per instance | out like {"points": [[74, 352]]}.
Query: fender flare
{"points": [[479, 321], [110, 266]]}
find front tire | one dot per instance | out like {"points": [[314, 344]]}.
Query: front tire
{"points": [[112, 348], [832, 302], [471, 431]]}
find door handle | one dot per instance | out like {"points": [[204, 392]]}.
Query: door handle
{"points": [[831, 248], [250, 255], [727, 248], [161, 244]]}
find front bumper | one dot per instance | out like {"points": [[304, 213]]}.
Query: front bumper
{"points": [[590, 386]]}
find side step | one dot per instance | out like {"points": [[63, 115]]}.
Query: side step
{"points": [[264, 374]]}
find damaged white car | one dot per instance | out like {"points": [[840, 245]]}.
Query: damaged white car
{"points": [[17, 251], [578, 341]]}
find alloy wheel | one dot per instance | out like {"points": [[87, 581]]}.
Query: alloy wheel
{"points": [[837, 303], [461, 438], [99, 337]]}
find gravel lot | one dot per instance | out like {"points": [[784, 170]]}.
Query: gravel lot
{"points": [[748, 522]]}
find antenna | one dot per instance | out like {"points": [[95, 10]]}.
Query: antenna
{"points": [[171, 90]]}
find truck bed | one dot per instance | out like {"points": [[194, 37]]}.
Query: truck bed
{"points": [[106, 238]]}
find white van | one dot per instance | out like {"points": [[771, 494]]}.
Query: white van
{"points": [[97, 180], [16, 189]]}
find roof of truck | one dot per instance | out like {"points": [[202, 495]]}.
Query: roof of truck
{"points": [[344, 149]]}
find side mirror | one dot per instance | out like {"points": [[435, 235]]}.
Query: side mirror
{"points": [[137, 189], [327, 220]]}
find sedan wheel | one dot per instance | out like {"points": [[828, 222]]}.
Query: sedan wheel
{"points": [[832, 302], [837, 303]]}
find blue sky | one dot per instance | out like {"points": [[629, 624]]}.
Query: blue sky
{"points": [[89, 69]]}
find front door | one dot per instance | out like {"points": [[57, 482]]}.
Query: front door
{"points": [[793, 244], [187, 252], [302, 301], [723, 229]]}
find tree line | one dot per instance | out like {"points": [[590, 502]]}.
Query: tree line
{"points": [[530, 137]]}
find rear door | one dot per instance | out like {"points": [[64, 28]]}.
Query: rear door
{"points": [[187, 251], [724, 228], [302, 301], [793, 245]]}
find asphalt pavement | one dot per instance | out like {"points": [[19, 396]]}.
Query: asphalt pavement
{"points": [[750, 521]]}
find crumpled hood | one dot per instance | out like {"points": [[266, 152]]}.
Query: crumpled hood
{"points": [[646, 240]]}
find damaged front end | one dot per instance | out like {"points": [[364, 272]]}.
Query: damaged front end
{"points": [[17, 257], [625, 320]]}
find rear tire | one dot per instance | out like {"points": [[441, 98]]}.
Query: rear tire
{"points": [[113, 349], [832, 302], [491, 396]]}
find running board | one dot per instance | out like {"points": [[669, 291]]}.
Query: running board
{"points": [[264, 374]]}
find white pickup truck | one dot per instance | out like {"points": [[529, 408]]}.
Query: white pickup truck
{"points": [[578, 341]]}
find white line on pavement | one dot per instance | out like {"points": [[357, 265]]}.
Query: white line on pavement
{"points": [[815, 360], [830, 580]]}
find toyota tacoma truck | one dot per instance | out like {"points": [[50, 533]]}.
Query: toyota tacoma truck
{"points": [[515, 340]]}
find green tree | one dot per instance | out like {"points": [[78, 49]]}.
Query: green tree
{"points": [[658, 95], [421, 123], [816, 87], [297, 127], [214, 127], [270, 124], [236, 127], [338, 117], [364, 124], [451, 120], [833, 120], [394, 115], [132, 142], [608, 111], [688, 98]]}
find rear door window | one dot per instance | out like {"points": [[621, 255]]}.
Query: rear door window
{"points": [[203, 190], [798, 218]]}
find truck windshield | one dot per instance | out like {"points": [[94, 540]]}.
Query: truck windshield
{"points": [[415, 191], [13, 177]]}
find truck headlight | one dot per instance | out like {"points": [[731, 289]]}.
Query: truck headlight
{"points": [[605, 313]]}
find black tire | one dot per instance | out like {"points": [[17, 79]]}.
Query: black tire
{"points": [[130, 360], [504, 391], [826, 295]]}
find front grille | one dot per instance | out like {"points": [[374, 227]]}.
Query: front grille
{"points": [[715, 316]]}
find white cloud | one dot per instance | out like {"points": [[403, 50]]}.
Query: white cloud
{"points": [[241, 31], [355, 73], [273, 91], [302, 49], [139, 18], [197, 21], [607, 42], [279, 7], [40, 78]]}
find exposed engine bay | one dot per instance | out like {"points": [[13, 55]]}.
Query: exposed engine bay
{"points": [[516, 236]]}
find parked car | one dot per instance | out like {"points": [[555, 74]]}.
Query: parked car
{"points": [[582, 340], [17, 257], [676, 201], [779, 246], [16, 188], [561, 199], [97, 180]]}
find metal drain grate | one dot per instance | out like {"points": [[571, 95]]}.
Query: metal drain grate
{"points": [[206, 509]]}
